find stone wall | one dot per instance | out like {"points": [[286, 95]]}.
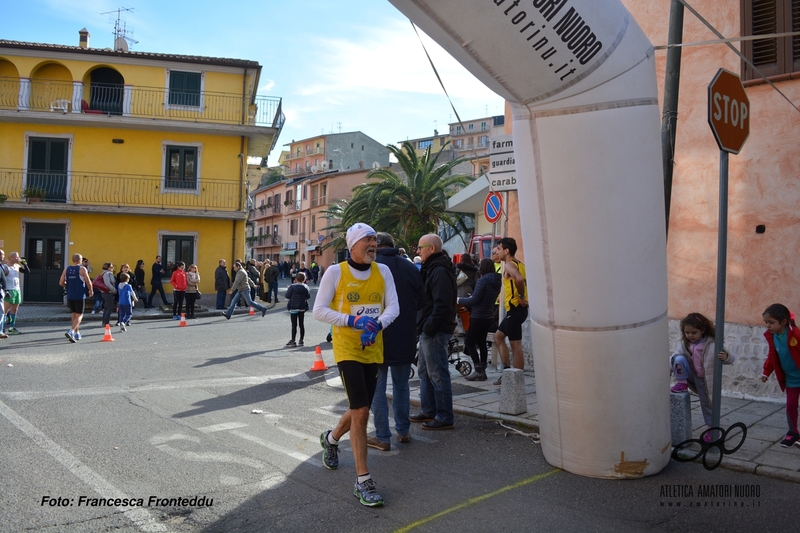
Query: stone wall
{"points": [[739, 380], [742, 378]]}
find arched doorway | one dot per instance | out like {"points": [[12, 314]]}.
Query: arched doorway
{"points": [[106, 91]]}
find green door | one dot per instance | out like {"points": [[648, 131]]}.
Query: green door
{"points": [[44, 251]]}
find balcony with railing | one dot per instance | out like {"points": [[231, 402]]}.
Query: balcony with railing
{"points": [[315, 151], [73, 97], [118, 190]]}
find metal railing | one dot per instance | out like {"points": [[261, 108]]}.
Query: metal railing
{"points": [[119, 190], [137, 101]]}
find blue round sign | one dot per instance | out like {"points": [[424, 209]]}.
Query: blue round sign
{"points": [[493, 207]]}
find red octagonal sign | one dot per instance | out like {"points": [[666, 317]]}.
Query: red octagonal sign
{"points": [[728, 111]]}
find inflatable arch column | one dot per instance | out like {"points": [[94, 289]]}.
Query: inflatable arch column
{"points": [[580, 78]]}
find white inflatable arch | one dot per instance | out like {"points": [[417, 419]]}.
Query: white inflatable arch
{"points": [[580, 78]]}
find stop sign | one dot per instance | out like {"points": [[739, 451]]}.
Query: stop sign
{"points": [[728, 111]]}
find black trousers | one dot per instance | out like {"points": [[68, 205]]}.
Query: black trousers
{"points": [[475, 343], [298, 320]]}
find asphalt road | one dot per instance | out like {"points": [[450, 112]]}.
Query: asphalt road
{"points": [[167, 412]]}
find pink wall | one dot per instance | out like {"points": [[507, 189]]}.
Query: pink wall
{"points": [[763, 183]]}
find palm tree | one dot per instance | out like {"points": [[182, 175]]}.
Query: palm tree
{"points": [[407, 207]]}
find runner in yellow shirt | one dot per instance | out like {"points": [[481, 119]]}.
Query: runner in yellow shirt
{"points": [[358, 298], [515, 296]]}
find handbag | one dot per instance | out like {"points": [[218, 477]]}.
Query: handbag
{"points": [[461, 278], [99, 284]]}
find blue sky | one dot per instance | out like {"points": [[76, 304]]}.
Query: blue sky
{"points": [[338, 65]]}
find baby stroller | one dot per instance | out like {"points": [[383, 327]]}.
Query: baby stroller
{"points": [[454, 347]]}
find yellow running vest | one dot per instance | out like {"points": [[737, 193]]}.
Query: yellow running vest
{"points": [[358, 298], [510, 288]]}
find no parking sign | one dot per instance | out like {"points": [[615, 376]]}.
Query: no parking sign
{"points": [[493, 207]]}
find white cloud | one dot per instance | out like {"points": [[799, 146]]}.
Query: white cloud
{"points": [[387, 56]]}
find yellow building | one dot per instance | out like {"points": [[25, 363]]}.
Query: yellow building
{"points": [[121, 156]]}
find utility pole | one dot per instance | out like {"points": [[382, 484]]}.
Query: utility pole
{"points": [[669, 117]]}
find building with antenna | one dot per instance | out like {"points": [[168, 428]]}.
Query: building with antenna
{"points": [[122, 155]]}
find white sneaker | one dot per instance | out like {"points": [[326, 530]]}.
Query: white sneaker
{"points": [[122, 327]]}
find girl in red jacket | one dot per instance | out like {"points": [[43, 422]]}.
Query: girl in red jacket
{"points": [[783, 358], [179, 284]]}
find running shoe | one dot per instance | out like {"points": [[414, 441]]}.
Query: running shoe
{"points": [[330, 457], [14, 331], [300, 343], [70, 335], [790, 440], [367, 492], [122, 327], [77, 336], [291, 344]]}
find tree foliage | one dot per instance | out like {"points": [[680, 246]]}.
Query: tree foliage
{"points": [[408, 206]]}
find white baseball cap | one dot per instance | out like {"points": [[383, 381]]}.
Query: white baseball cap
{"points": [[356, 232]]}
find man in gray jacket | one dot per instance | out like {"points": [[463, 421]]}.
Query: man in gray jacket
{"points": [[241, 289]]}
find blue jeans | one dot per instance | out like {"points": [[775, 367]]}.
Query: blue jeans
{"points": [[98, 302], [400, 402], [221, 299], [435, 392], [246, 295]]}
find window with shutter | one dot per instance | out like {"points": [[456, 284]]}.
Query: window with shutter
{"points": [[181, 169], [47, 168], [184, 88], [773, 56]]}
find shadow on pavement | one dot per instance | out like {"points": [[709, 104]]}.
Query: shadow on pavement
{"points": [[256, 394]]}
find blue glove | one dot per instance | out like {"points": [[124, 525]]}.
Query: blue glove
{"points": [[364, 323], [368, 338]]}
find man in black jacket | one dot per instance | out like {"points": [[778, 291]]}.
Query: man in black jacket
{"points": [[270, 278], [399, 347], [222, 282], [156, 283], [436, 321]]}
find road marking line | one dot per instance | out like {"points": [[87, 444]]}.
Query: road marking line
{"points": [[210, 457], [477, 499], [327, 412], [142, 518], [280, 449], [298, 434], [193, 384], [222, 427]]}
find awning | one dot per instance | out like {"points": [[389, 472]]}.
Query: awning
{"points": [[469, 199], [288, 252], [310, 248]]}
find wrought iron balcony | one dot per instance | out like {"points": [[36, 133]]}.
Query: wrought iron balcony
{"points": [[23, 94], [120, 190]]}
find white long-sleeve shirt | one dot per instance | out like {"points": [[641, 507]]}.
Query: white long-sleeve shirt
{"points": [[327, 289]]}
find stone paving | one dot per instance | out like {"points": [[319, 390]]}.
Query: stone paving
{"points": [[765, 421]]}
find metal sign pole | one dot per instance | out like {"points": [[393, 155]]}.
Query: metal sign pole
{"points": [[722, 251]]}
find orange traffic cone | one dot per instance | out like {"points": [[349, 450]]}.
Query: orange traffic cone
{"points": [[252, 311], [107, 337], [183, 321], [319, 364]]}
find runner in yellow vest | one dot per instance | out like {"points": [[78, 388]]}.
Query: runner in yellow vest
{"points": [[358, 298], [515, 296]]}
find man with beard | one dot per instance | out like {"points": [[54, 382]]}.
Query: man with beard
{"points": [[358, 298]]}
